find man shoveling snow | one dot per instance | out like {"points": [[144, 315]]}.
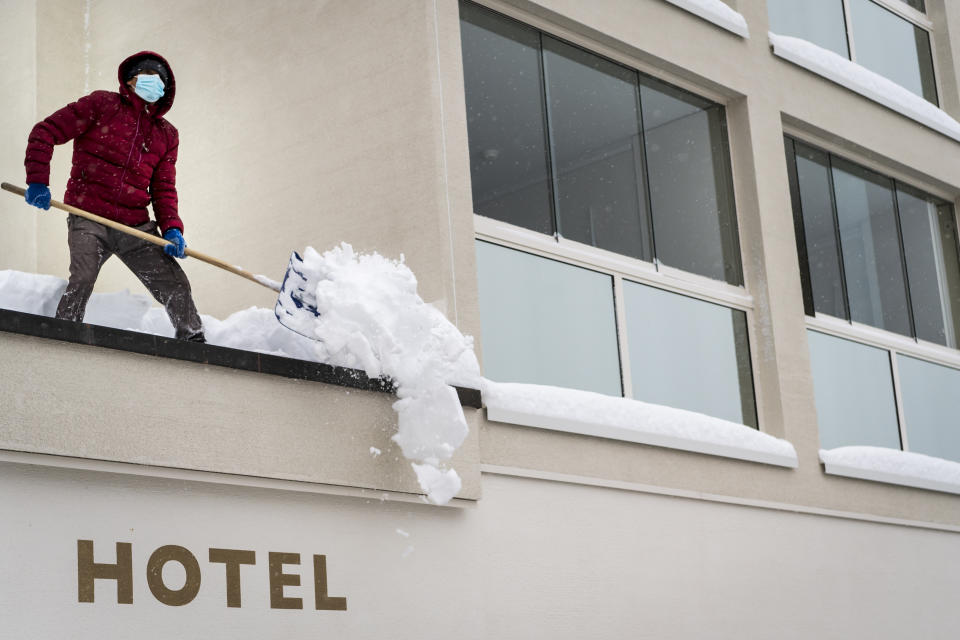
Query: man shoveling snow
{"points": [[124, 158]]}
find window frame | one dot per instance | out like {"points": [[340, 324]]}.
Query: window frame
{"points": [[619, 266], [912, 16], [894, 344], [565, 36], [850, 329], [622, 268]]}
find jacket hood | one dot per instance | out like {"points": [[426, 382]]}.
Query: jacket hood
{"points": [[164, 103]]}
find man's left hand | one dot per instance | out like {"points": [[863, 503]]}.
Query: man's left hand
{"points": [[178, 246]]}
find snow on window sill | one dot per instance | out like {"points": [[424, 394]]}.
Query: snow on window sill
{"points": [[893, 467], [871, 85], [593, 414], [717, 12]]}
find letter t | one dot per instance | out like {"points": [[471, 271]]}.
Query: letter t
{"points": [[233, 558]]}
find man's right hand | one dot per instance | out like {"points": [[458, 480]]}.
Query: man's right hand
{"points": [[38, 194]]}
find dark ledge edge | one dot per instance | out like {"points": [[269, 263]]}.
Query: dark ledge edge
{"points": [[162, 347]]}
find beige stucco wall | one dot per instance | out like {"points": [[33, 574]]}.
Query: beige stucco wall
{"points": [[100, 404], [18, 91], [533, 559]]}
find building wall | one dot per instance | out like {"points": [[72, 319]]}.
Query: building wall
{"points": [[533, 559], [337, 120]]}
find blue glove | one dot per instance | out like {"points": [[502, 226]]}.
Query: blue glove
{"points": [[179, 245], [38, 194]]}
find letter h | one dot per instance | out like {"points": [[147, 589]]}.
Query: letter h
{"points": [[88, 571]]}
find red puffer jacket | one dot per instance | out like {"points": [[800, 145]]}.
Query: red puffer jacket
{"points": [[124, 153]]}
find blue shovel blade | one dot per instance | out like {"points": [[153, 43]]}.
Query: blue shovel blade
{"points": [[296, 307]]}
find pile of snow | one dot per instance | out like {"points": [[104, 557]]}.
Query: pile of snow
{"points": [[893, 466], [253, 329], [717, 12], [595, 414], [30, 293], [865, 82], [371, 318]]}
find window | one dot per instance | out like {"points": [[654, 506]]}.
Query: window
{"points": [[611, 183], [887, 36], [819, 21], [565, 142], [876, 254], [546, 322], [689, 353], [873, 250], [853, 388]]}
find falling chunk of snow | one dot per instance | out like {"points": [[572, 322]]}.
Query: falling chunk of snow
{"points": [[439, 484], [407, 551], [403, 533], [375, 452], [431, 422], [371, 317]]}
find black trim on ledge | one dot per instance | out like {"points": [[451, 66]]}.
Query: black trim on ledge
{"points": [[153, 345]]}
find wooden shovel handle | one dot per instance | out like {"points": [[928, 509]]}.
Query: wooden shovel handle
{"points": [[6, 186]]}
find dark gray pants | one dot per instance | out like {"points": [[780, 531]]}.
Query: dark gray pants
{"points": [[91, 244]]}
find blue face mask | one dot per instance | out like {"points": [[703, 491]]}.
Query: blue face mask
{"points": [[149, 87]]}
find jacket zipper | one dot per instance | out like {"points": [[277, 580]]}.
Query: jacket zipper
{"points": [[133, 143]]}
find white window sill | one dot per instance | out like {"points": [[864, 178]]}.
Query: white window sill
{"points": [[717, 12], [893, 467], [593, 414], [865, 82]]}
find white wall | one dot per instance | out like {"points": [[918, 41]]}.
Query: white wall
{"points": [[533, 559]]}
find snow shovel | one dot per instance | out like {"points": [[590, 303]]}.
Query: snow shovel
{"points": [[296, 307]]}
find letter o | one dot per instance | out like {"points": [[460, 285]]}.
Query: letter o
{"points": [[158, 559]]}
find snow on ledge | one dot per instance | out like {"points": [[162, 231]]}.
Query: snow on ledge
{"points": [[717, 12], [872, 85], [594, 414], [893, 467]]}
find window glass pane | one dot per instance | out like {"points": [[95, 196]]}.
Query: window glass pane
{"points": [[818, 21], [505, 119], [853, 390], [931, 406], [546, 322], [689, 354], [691, 190], [870, 243], [893, 47], [933, 269], [594, 118], [916, 4], [819, 228]]}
